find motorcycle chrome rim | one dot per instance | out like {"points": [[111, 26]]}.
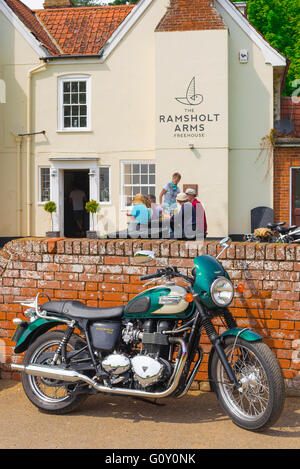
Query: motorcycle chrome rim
{"points": [[45, 388], [250, 402]]}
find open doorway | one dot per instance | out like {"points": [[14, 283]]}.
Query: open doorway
{"points": [[76, 218]]}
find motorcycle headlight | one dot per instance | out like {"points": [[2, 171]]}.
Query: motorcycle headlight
{"points": [[222, 291]]}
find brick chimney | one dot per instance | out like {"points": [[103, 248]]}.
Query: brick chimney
{"points": [[58, 4], [190, 15]]}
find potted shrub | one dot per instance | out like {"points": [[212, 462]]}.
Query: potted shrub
{"points": [[92, 207], [50, 207]]}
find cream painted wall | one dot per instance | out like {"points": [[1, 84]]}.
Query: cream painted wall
{"points": [[203, 56], [136, 85], [250, 119], [17, 57], [122, 111]]}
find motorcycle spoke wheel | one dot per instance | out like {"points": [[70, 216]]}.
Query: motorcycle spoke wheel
{"points": [[258, 402], [49, 395]]}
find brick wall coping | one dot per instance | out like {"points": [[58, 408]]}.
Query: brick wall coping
{"points": [[161, 247]]}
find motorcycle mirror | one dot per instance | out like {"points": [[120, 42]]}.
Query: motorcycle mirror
{"points": [[143, 257], [225, 240]]}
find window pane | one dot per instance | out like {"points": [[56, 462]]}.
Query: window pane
{"points": [[67, 110], [67, 122], [82, 98], [75, 111], [104, 185], [135, 168], [82, 86], [127, 168], [144, 168], [67, 98], [82, 110], [152, 168], [152, 179], [128, 191], [127, 179], [75, 122], [45, 184], [67, 87], [74, 86], [136, 180], [74, 98], [144, 179], [82, 121]]}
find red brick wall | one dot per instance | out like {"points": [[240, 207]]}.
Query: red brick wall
{"points": [[103, 273], [187, 15], [284, 159], [290, 110]]}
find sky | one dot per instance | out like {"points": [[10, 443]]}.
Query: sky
{"points": [[38, 4]]}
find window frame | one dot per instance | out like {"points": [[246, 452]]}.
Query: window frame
{"points": [[60, 118], [123, 163], [40, 201], [109, 202]]}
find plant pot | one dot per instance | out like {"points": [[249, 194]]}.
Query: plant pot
{"points": [[52, 234], [91, 234]]}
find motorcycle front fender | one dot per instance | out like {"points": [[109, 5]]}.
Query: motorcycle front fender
{"points": [[246, 334], [32, 331]]}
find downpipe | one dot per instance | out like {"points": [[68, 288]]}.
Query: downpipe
{"points": [[73, 376]]}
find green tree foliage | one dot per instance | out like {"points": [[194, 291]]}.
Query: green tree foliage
{"points": [[279, 22]]}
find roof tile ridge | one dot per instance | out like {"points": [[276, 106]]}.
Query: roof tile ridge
{"points": [[49, 35], [94, 7]]}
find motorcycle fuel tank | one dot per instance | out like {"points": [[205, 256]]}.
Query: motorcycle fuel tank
{"points": [[166, 301]]}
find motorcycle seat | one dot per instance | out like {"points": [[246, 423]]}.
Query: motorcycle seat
{"points": [[76, 309], [274, 225], [286, 229]]}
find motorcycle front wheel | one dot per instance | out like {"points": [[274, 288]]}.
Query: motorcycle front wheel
{"points": [[49, 395], [258, 402]]}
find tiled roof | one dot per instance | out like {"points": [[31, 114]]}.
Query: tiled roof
{"points": [[82, 30], [29, 19]]}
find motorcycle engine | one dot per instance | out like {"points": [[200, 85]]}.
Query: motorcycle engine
{"points": [[148, 367]]}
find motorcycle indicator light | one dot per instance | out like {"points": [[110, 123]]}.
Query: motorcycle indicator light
{"points": [[240, 288], [189, 298]]}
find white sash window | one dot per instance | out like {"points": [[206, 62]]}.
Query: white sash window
{"points": [[74, 103]]}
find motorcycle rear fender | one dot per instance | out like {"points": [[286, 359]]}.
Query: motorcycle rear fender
{"points": [[32, 331]]}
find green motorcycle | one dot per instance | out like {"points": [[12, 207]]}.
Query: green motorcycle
{"points": [[150, 348]]}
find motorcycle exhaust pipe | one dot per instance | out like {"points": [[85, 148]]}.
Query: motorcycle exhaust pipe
{"points": [[44, 371], [73, 376]]}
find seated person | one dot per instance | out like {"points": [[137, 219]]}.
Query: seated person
{"points": [[140, 214], [183, 224], [200, 212]]}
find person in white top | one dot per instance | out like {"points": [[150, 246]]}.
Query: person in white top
{"points": [[78, 198]]}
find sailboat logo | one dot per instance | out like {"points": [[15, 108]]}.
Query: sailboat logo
{"points": [[191, 98]]}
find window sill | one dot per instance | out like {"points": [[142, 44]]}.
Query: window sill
{"points": [[71, 131]]}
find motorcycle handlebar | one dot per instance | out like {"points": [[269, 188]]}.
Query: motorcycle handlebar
{"points": [[147, 277], [169, 272]]}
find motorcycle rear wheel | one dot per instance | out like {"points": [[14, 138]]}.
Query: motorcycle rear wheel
{"points": [[259, 402], [49, 395]]}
